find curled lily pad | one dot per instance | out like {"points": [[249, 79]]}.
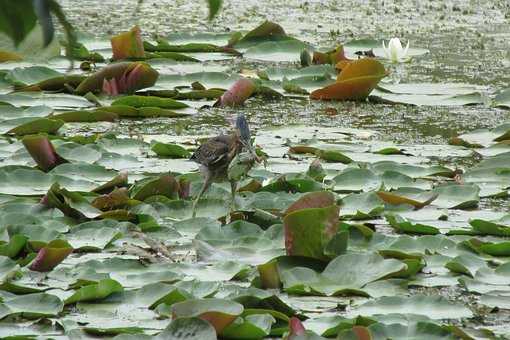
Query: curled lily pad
{"points": [[264, 32], [32, 126], [101, 290], [164, 185], [237, 94], [310, 223], [128, 44], [407, 226], [123, 77], [355, 82], [118, 198], [72, 204], [415, 197], [220, 313], [51, 255], [43, 152]]}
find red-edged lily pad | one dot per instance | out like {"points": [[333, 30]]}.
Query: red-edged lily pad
{"points": [[310, 224], [128, 45], [51, 255], [218, 312], [355, 82], [43, 152], [240, 91], [123, 77]]}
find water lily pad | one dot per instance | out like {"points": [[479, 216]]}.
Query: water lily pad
{"points": [[128, 44], [51, 255], [355, 82], [276, 51], [122, 77], [149, 101], [220, 313], [361, 206], [457, 196], [503, 99], [356, 180], [435, 307], [94, 292], [346, 274], [406, 226], [185, 328], [170, 150], [31, 306], [30, 75], [250, 327], [53, 100], [310, 223]]}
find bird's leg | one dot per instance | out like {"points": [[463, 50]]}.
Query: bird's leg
{"points": [[207, 184], [233, 189]]}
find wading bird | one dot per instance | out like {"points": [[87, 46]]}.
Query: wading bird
{"points": [[225, 157]]}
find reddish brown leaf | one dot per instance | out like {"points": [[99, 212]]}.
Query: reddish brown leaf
{"points": [[237, 94], [43, 152], [355, 82], [128, 45]]}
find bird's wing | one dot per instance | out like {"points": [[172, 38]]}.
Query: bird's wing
{"points": [[213, 152]]}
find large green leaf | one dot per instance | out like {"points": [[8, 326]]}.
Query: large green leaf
{"points": [[346, 274], [31, 306], [94, 292], [435, 307]]}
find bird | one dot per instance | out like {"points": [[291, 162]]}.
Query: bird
{"points": [[225, 157]]}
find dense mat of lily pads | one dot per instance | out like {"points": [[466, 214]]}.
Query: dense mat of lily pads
{"points": [[354, 237]]}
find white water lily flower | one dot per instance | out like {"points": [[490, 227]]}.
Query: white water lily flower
{"points": [[395, 52]]}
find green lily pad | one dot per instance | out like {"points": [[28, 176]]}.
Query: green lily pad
{"points": [[51, 255], [310, 223], [94, 292], [346, 274], [188, 329], [361, 206], [356, 180], [170, 150], [287, 50], [435, 307], [30, 75], [31, 306], [457, 196]]}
